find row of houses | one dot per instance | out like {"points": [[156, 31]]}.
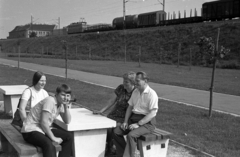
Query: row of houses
{"points": [[40, 30]]}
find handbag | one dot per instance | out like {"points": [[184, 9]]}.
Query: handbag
{"points": [[17, 118]]}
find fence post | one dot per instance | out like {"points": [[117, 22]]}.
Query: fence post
{"points": [[42, 51], [160, 55], [19, 49], [139, 56], [76, 52], [190, 58], [89, 54], [179, 49], [66, 61], [64, 46], [125, 53]]}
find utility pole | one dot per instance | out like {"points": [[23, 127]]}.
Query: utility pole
{"points": [[125, 53], [163, 4]]}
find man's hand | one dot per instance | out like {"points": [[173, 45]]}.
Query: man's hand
{"points": [[124, 126], [57, 140], [133, 126]]}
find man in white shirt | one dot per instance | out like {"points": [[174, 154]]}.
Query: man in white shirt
{"points": [[139, 118]]}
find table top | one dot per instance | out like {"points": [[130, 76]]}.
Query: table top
{"points": [[84, 119], [12, 89]]}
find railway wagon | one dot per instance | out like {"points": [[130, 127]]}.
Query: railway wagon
{"points": [[98, 27], [131, 21], [77, 27], [219, 10], [151, 18]]}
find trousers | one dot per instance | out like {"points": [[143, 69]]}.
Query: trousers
{"points": [[127, 148], [45, 143]]}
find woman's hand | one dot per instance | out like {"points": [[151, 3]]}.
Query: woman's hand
{"points": [[124, 126], [57, 140]]}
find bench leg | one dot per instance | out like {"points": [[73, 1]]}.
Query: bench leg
{"points": [[4, 143], [150, 149]]}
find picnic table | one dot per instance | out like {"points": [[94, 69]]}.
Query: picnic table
{"points": [[11, 95], [89, 132]]}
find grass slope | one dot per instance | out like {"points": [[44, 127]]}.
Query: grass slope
{"points": [[158, 44]]}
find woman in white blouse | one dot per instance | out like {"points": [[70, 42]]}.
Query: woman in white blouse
{"points": [[32, 95]]}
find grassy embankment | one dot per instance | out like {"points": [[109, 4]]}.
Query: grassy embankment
{"points": [[158, 44], [218, 136]]}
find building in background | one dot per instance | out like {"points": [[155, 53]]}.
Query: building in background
{"points": [[41, 30]]}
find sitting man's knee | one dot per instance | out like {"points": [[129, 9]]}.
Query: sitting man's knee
{"points": [[117, 130], [132, 134]]}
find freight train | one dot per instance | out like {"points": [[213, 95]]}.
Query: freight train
{"points": [[211, 11]]}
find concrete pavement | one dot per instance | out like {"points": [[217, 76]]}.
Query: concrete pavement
{"points": [[221, 102]]}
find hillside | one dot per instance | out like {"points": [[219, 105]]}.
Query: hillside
{"points": [[157, 44]]}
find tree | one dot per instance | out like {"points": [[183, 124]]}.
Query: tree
{"points": [[211, 54], [32, 35]]}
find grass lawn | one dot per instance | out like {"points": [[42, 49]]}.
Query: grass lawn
{"points": [[218, 136], [226, 81]]}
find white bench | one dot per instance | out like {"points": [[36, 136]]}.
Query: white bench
{"points": [[154, 144], [11, 95]]}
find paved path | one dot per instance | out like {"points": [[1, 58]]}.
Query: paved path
{"points": [[221, 102]]}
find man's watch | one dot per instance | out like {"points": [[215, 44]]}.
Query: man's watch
{"points": [[139, 123]]}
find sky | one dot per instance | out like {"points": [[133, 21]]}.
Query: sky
{"points": [[18, 12]]}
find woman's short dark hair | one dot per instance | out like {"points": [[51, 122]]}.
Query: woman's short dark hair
{"points": [[130, 76], [36, 77], [63, 88]]}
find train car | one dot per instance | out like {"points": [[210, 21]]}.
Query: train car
{"points": [[98, 27], [77, 27], [219, 10], [151, 18], [131, 21]]}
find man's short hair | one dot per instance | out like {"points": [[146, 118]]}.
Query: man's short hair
{"points": [[143, 74], [130, 76], [63, 88]]}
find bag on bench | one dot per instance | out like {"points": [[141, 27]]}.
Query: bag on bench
{"points": [[17, 118]]}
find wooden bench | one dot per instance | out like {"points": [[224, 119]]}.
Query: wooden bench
{"points": [[12, 140], [154, 144]]}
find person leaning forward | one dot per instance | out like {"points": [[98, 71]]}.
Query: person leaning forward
{"points": [[139, 118], [37, 128]]}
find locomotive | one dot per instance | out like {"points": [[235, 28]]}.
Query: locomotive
{"points": [[211, 11]]}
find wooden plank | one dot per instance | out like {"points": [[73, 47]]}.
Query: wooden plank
{"points": [[14, 137], [157, 134], [57, 146], [16, 140]]}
